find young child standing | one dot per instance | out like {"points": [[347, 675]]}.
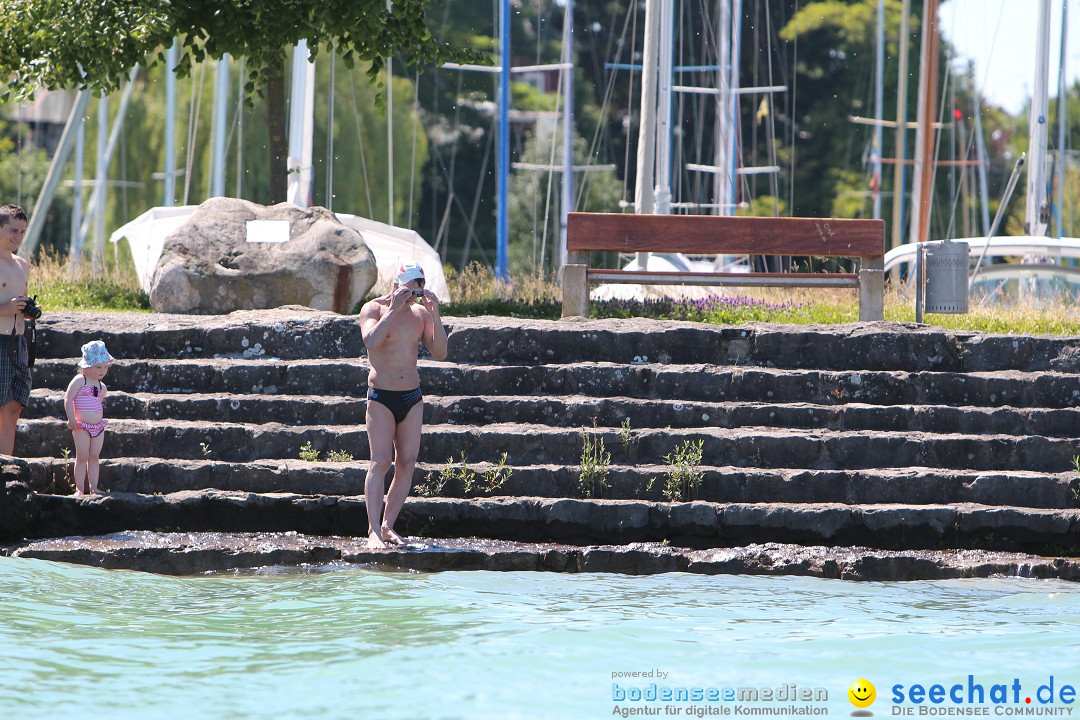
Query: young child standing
{"points": [[85, 416]]}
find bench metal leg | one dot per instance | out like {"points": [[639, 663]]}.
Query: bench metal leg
{"points": [[872, 289], [575, 291]]}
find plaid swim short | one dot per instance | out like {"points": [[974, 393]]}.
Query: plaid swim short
{"points": [[15, 382]]}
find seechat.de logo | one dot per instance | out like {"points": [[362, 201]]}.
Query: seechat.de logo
{"points": [[862, 695]]}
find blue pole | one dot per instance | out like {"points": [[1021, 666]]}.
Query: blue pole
{"points": [[501, 269]]}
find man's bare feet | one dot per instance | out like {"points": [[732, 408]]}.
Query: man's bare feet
{"points": [[392, 537], [375, 542]]}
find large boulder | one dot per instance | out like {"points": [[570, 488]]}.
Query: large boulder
{"points": [[209, 267]]}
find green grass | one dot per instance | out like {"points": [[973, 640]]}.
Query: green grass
{"points": [[58, 285]]}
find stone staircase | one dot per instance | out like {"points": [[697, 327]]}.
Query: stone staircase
{"points": [[883, 437]]}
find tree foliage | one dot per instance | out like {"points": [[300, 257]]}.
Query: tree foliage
{"points": [[73, 43]]}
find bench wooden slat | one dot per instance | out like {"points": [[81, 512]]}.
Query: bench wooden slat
{"points": [[832, 280], [717, 234]]}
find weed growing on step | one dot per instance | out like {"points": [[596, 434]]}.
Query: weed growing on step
{"points": [[683, 476], [646, 490], [626, 435], [473, 484], [495, 478], [595, 464], [309, 453], [1076, 463], [339, 456], [69, 476], [435, 484], [205, 447]]}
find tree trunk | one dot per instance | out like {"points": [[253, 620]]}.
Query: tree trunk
{"points": [[278, 146]]}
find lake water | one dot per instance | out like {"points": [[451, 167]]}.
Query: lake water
{"points": [[347, 642]]}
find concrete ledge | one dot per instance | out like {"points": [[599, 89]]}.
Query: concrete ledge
{"points": [[196, 553], [698, 525]]}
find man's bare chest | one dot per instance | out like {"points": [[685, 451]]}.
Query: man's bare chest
{"points": [[12, 279]]}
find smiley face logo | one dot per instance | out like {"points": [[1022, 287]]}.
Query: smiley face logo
{"points": [[862, 693]]}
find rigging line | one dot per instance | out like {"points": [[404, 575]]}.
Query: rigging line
{"points": [[937, 150], [360, 141], [331, 95], [791, 115], [696, 182], [435, 111], [770, 128], [754, 104], [445, 220], [551, 170], [675, 187], [20, 130], [605, 105], [471, 230], [598, 72], [451, 196], [235, 119], [193, 113], [629, 106], [240, 126], [415, 133]]}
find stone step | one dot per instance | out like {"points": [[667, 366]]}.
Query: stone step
{"points": [[701, 383], [579, 522], [531, 444], [291, 333], [912, 486], [198, 553], [581, 411]]}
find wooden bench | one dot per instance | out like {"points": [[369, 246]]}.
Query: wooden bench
{"points": [[723, 235]]}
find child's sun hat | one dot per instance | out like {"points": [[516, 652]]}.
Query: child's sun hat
{"points": [[94, 353]]}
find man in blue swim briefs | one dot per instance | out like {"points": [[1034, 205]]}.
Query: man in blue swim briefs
{"points": [[393, 325]]}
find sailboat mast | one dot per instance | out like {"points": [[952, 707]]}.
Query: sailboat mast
{"points": [[169, 187], [901, 129], [723, 180], [924, 133], [1036, 216], [663, 126], [568, 127], [879, 105], [219, 124], [644, 200], [1062, 105], [502, 265]]}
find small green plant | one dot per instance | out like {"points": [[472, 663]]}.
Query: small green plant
{"points": [[430, 486], [646, 490], [205, 449], [435, 484], [339, 456], [69, 477], [1076, 463], [472, 483], [626, 435], [595, 465], [683, 476], [496, 477], [309, 453]]}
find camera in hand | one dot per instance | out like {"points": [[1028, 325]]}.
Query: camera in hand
{"points": [[32, 309]]}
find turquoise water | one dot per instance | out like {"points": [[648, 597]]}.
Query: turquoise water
{"points": [[343, 642]]}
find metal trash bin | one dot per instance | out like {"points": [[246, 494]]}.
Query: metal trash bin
{"points": [[947, 278]]}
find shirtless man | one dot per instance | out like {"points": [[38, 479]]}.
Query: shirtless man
{"points": [[14, 373], [392, 327]]}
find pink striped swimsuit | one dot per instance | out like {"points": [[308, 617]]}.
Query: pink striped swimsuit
{"points": [[88, 400]]}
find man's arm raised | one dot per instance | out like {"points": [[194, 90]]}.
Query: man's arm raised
{"points": [[375, 324], [434, 332]]}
